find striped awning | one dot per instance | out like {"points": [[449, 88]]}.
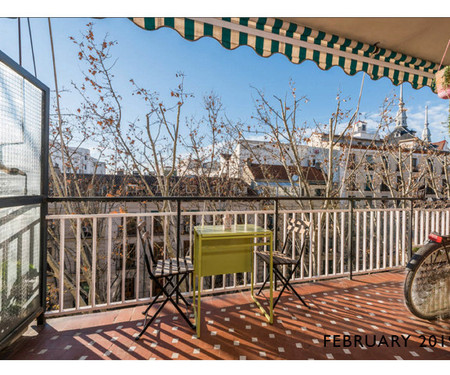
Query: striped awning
{"points": [[299, 43]]}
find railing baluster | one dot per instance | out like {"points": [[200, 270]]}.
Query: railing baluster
{"points": [[342, 241], [94, 259], [62, 233], [108, 257], [265, 249], [165, 229], [335, 224], [391, 238], [447, 222], [152, 241], [235, 275], [350, 238], [365, 241], [371, 242], [422, 227], [124, 256], [437, 221], [377, 265], [319, 243], [403, 237], [327, 241], [385, 242], [138, 263], [358, 233], [311, 245], [397, 237], [78, 265], [255, 260], [416, 227], [433, 222]]}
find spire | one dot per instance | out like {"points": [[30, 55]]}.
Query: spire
{"points": [[400, 119], [426, 134]]}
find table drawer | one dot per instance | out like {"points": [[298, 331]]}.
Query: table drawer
{"points": [[224, 256]]}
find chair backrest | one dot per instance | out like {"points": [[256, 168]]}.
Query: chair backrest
{"points": [[144, 236], [299, 227]]}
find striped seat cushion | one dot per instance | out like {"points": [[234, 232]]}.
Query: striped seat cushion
{"points": [[278, 257], [170, 266]]}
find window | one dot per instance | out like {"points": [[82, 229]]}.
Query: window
{"points": [[370, 163], [352, 161], [430, 165], [385, 161], [351, 183], [363, 127], [414, 165], [369, 183]]}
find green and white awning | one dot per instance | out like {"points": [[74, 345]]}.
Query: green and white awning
{"points": [[298, 43]]}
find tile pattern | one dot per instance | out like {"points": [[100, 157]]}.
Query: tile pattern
{"points": [[233, 328]]}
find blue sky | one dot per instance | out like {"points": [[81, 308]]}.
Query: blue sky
{"points": [[153, 58]]}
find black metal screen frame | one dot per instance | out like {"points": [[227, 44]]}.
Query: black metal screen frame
{"points": [[41, 199]]}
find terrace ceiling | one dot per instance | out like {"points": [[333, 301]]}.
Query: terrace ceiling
{"points": [[402, 49]]}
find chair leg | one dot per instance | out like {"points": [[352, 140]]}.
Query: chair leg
{"points": [[298, 296], [179, 295], [286, 284], [147, 324], [176, 305], [153, 302], [168, 298], [281, 292]]}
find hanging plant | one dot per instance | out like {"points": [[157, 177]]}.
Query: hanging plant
{"points": [[442, 79]]}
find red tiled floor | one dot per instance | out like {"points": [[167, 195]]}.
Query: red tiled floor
{"points": [[233, 328]]}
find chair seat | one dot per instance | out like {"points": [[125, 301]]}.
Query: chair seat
{"points": [[170, 266], [278, 257]]}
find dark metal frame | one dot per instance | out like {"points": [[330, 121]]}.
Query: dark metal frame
{"points": [[295, 264], [151, 267], [34, 199]]}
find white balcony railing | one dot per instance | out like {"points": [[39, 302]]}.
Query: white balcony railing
{"points": [[88, 251]]}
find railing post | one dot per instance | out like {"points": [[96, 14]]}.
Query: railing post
{"points": [[350, 238], [275, 225], [178, 240]]}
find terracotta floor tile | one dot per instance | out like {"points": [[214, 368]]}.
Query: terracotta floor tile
{"points": [[233, 327]]}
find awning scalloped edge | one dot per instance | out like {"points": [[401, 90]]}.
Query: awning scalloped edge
{"points": [[268, 36]]}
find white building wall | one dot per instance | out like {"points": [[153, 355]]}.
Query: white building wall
{"points": [[83, 162]]}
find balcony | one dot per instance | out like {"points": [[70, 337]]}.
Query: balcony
{"points": [[233, 329], [351, 276]]}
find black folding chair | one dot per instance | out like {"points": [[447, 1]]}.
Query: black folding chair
{"points": [[168, 269], [281, 258]]}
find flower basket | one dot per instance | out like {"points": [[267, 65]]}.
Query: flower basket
{"points": [[443, 83]]}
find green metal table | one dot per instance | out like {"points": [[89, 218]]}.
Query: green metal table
{"points": [[218, 251]]}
